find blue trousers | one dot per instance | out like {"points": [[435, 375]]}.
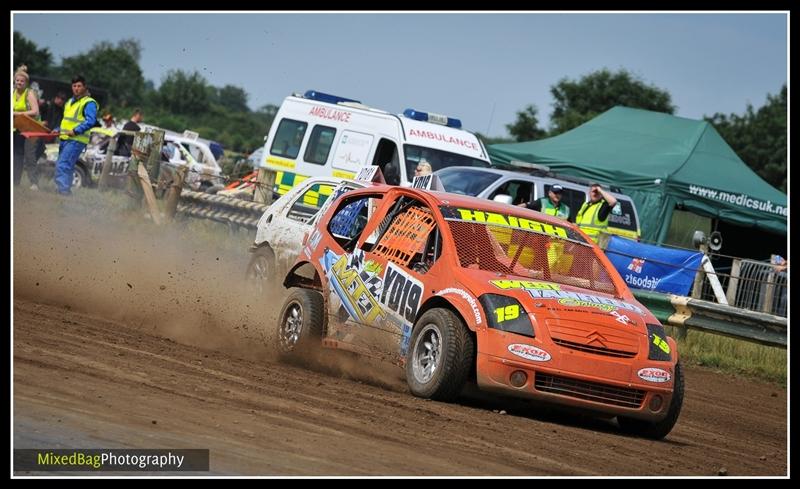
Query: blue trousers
{"points": [[68, 153]]}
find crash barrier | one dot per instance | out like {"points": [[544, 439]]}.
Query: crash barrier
{"points": [[220, 208], [685, 312]]}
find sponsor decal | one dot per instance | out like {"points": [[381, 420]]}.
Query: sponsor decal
{"points": [[401, 296], [494, 218], [529, 352], [332, 114], [621, 317], [636, 265], [579, 303], [652, 374], [467, 297], [356, 287], [645, 282], [523, 284], [313, 241], [584, 300]]}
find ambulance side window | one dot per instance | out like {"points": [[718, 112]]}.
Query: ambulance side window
{"points": [[319, 144], [288, 138]]}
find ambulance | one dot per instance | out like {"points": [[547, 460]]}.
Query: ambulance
{"points": [[320, 135]]}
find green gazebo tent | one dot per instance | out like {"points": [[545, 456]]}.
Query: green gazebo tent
{"points": [[662, 162]]}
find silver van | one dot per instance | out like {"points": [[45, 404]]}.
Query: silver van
{"points": [[516, 187]]}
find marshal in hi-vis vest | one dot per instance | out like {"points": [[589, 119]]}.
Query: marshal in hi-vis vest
{"points": [[588, 219], [548, 208], [73, 117]]}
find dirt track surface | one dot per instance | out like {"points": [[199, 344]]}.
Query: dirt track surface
{"points": [[137, 339]]}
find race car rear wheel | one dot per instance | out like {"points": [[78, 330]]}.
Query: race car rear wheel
{"points": [[300, 326], [439, 356], [261, 269], [659, 429]]}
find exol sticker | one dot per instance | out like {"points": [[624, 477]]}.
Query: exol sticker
{"points": [[652, 374], [589, 300], [529, 352], [467, 297], [621, 317], [523, 284]]}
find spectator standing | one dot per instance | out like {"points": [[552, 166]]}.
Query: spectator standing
{"points": [[80, 115], [125, 142], [24, 101]]}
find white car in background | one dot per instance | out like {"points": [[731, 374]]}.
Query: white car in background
{"points": [[282, 227]]}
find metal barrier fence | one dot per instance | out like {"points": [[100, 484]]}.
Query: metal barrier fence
{"points": [[752, 285]]}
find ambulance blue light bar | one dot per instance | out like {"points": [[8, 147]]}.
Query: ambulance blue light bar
{"points": [[431, 117], [324, 97]]}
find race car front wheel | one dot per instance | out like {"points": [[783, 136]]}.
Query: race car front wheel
{"points": [[439, 356], [659, 429], [300, 326]]}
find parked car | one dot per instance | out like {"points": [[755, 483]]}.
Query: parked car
{"points": [[492, 183], [282, 227], [457, 288], [176, 152]]}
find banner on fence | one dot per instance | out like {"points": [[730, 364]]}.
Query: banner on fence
{"points": [[650, 267]]}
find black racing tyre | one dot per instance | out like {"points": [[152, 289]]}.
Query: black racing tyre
{"points": [[300, 325], [260, 272], [440, 355], [659, 429]]}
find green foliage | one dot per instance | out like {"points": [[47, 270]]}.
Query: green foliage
{"points": [[232, 98], [184, 93], [38, 61], [582, 100], [526, 127], [114, 68], [760, 138]]}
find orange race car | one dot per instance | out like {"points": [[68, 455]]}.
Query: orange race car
{"points": [[462, 289]]}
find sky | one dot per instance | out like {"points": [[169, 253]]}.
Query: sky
{"points": [[480, 67]]}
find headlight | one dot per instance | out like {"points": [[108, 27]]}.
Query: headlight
{"points": [[506, 314], [659, 349]]}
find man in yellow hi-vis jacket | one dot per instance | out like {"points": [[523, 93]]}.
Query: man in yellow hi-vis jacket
{"points": [[80, 115]]}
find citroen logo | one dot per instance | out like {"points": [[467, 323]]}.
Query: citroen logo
{"points": [[595, 337]]}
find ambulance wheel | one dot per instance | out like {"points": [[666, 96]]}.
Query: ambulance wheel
{"points": [[300, 326], [440, 356]]}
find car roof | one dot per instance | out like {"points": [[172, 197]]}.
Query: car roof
{"points": [[533, 178], [436, 198]]}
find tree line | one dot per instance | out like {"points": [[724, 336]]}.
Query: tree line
{"points": [[185, 100]]}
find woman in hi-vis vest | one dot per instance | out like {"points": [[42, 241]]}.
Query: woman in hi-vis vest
{"points": [[24, 100]]}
